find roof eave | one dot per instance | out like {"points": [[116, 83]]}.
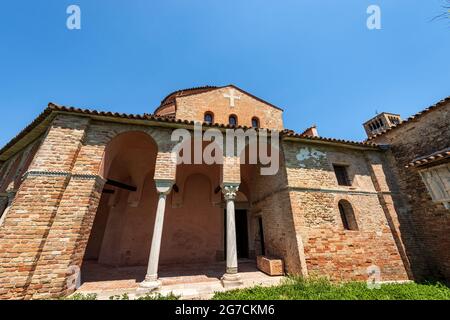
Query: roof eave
{"points": [[323, 141]]}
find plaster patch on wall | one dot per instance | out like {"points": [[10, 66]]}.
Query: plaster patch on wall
{"points": [[310, 157]]}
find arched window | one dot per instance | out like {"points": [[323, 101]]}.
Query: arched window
{"points": [[232, 120], [255, 122], [347, 215], [209, 117]]}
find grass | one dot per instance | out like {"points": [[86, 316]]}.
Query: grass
{"points": [[80, 296], [314, 289], [322, 289]]}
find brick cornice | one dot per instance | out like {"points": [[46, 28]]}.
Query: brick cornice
{"points": [[81, 176], [325, 190]]}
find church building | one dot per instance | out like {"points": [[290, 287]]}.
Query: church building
{"points": [[84, 189]]}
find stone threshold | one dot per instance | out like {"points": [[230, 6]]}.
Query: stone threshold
{"points": [[192, 282]]}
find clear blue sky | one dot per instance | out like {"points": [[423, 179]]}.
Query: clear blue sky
{"points": [[314, 58]]}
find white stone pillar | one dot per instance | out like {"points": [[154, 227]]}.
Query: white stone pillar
{"points": [[151, 281], [231, 277]]}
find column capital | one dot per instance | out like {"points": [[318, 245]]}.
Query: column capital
{"points": [[230, 190], [164, 186]]}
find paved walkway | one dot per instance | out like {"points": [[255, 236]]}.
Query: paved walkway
{"points": [[192, 281]]}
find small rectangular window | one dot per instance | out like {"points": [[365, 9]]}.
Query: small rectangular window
{"points": [[341, 175]]}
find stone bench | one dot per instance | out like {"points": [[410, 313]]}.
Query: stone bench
{"points": [[270, 265]]}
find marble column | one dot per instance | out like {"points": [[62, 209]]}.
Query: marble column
{"points": [[151, 281], [231, 277]]}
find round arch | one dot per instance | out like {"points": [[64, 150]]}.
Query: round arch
{"points": [[347, 214], [123, 142]]}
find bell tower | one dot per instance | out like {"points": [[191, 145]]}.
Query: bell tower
{"points": [[381, 122]]}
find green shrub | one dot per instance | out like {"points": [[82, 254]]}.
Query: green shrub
{"points": [[159, 296], [120, 297], [322, 289], [80, 296]]}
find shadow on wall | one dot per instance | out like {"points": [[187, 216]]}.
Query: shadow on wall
{"points": [[123, 223]]}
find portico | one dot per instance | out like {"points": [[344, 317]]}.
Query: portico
{"points": [[182, 214], [190, 281], [99, 192], [229, 189]]}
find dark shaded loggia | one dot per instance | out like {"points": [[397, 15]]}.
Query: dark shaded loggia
{"points": [[121, 185]]}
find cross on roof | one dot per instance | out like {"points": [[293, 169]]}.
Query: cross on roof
{"points": [[232, 97]]}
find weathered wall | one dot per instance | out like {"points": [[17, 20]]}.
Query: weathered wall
{"points": [[424, 225], [45, 233], [314, 194], [194, 228], [193, 225], [193, 107], [270, 200], [40, 201]]}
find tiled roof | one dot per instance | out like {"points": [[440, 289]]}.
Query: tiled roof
{"points": [[413, 117], [290, 133], [197, 90], [170, 98], [431, 158], [53, 109]]}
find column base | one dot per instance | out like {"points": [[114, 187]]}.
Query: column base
{"points": [[231, 280], [148, 286]]}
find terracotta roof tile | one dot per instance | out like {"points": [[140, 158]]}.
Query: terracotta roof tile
{"points": [[431, 158], [197, 90], [170, 98], [291, 133], [54, 108]]}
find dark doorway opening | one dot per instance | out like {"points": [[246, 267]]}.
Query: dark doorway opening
{"points": [[261, 236], [241, 234]]}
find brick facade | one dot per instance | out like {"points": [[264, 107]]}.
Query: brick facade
{"points": [[59, 182], [194, 106], [314, 195], [424, 226]]}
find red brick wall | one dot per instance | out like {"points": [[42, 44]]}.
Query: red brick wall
{"points": [[24, 231], [231, 170], [424, 226], [271, 200], [29, 222], [193, 107], [330, 250], [67, 238]]}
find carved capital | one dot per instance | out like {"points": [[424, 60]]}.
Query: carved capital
{"points": [[230, 190], [164, 186]]}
